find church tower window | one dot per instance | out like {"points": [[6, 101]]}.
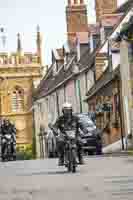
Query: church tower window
{"points": [[17, 100]]}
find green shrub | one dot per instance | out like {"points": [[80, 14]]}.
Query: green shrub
{"points": [[24, 153]]}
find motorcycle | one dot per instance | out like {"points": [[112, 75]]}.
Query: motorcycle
{"points": [[70, 151], [7, 140]]}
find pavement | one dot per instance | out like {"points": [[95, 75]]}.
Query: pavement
{"points": [[100, 178]]}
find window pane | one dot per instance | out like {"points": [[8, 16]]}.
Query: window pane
{"points": [[17, 101]]}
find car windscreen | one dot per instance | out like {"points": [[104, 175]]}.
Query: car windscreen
{"points": [[86, 122]]}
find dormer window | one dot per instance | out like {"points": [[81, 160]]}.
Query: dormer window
{"points": [[75, 69], [54, 70]]}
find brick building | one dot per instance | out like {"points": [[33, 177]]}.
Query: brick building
{"points": [[104, 7], [76, 18]]}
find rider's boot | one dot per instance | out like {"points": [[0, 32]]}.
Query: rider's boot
{"points": [[80, 158], [61, 159]]}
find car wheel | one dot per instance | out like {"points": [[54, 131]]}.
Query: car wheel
{"points": [[90, 153], [99, 151]]}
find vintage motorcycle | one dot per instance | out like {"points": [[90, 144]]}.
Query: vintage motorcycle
{"points": [[8, 155], [70, 150], [70, 154]]}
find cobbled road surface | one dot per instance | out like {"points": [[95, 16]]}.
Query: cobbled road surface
{"points": [[101, 178]]}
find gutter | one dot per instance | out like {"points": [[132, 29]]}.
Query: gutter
{"points": [[91, 95], [113, 74], [71, 76]]}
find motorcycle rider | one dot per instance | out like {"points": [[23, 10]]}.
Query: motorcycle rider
{"points": [[66, 122], [8, 128]]}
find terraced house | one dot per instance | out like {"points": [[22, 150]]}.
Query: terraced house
{"points": [[78, 65], [106, 95]]}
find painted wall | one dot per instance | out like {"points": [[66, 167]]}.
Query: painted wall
{"points": [[70, 94], [61, 99], [52, 108], [115, 60]]}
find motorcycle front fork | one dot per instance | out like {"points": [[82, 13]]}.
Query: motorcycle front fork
{"points": [[68, 156]]}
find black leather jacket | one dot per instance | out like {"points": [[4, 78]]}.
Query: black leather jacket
{"points": [[64, 124]]}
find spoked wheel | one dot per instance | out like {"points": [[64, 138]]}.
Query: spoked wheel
{"points": [[73, 161], [74, 169], [68, 162]]}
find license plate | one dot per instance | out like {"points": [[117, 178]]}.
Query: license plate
{"points": [[8, 136]]}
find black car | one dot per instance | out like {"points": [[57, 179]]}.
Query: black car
{"points": [[91, 136]]}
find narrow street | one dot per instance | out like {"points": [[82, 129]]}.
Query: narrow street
{"points": [[102, 178]]}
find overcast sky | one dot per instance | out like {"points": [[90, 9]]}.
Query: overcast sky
{"points": [[24, 15]]}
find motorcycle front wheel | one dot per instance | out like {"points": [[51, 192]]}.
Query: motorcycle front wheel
{"points": [[73, 161]]}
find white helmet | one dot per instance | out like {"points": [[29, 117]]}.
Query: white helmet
{"points": [[67, 108], [67, 105]]}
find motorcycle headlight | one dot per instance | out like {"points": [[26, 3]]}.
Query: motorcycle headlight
{"points": [[8, 137]]}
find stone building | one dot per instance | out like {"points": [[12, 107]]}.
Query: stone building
{"points": [[20, 73]]}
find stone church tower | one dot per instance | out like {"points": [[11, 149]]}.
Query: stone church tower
{"points": [[104, 7], [19, 74], [76, 17]]}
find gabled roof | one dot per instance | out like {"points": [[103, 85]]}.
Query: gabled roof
{"points": [[105, 79], [51, 84], [57, 54], [60, 53], [85, 63], [108, 76]]}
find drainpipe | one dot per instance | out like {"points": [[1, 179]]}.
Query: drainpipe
{"points": [[120, 114], [57, 104], [80, 98], [34, 135]]}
